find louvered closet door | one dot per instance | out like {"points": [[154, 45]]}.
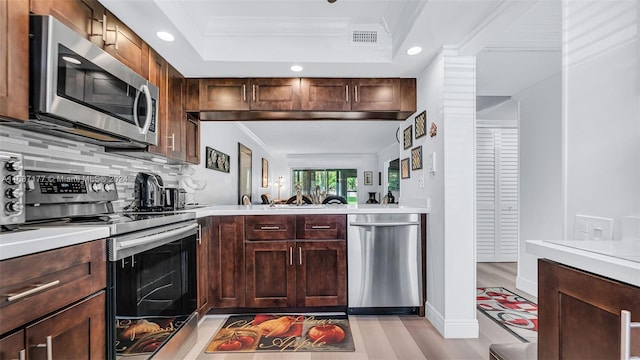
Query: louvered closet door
{"points": [[497, 195]]}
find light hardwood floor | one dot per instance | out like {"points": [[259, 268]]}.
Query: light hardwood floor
{"points": [[394, 337]]}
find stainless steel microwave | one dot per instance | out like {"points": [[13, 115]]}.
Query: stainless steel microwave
{"points": [[78, 90]]}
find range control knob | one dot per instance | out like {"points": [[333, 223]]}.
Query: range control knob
{"points": [[14, 207], [109, 187], [13, 165], [14, 193], [11, 180], [96, 187]]}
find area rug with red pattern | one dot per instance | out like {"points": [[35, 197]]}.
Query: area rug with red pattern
{"points": [[282, 332], [513, 312]]}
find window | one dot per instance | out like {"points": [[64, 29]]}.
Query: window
{"points": [[341, 182]]}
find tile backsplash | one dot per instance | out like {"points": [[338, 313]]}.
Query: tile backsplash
{"points": [[48, 153]]}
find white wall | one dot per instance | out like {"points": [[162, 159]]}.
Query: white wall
{"points": [[447, 91], [222, 188], [601, 62], [540, 130]]}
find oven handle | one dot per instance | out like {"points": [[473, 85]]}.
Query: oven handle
{"points": [[156, 237]]}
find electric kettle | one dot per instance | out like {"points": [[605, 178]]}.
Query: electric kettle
{"points": [[148, 192]]}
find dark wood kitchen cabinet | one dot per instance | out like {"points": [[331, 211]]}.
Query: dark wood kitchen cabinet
{"points": [[287, 264], [227, 262], [192, 141], [158, 77], [376, 94], [202, 265], [56, 300], [14, 59], [176, 122], [86, 17], [275, 94], [77, 332], [12, 346], [326, 94], [579, 314], [224, 94], [123, 44]]}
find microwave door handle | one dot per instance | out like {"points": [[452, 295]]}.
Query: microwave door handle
{"points": [[144, 89]]}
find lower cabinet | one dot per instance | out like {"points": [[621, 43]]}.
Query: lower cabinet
{"points": [[202, 264], [227, 262], [77, 332], [579, 314], [12, 346], [296, 273]]}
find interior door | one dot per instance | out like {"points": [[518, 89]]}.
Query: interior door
{"points": [[497, 194]]}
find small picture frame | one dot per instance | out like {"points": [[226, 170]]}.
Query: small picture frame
{"points": [[408, 138], [368, 178], [216, 160], [265, 173], [421, 124], [404, 168], [416, 158]]}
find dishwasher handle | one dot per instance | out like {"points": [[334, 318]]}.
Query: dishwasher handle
{"points": [[384, 224]]}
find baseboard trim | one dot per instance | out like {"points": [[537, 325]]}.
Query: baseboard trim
{"points": [[452, 329], [527, 286]]}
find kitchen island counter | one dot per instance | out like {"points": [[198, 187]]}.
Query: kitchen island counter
{"points": [[324, 209], [32, 240]]}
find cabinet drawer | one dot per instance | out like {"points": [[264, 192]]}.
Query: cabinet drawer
{"points": [[270, 227], [321, 227], [34, 285]]}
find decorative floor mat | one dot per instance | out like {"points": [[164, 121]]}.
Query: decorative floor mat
{"points": [[144, 335], [280, 332], [513, 312]]}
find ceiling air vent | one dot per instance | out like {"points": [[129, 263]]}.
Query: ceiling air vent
{"points": [[364, 37]]}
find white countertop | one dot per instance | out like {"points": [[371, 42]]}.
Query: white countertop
{"points": [[30, 241], [614, 259], [214, 210]]}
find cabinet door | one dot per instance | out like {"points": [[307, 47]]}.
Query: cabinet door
{"points": [[325, 94], [12, 347], [14, 59], [202, 265], [126, 46], [86, 17], [270, 274], [579, 314], [176, 117], [376, 95], [77, 332], [158, 77], [224, 94], [270, 227], [227, 262], [192, 139], [282, 94], [321, 278]]}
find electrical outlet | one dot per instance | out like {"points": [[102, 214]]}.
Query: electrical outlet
{"points": [[592, 228]]}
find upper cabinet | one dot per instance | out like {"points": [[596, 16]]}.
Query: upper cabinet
{"points": [[126, 46], [14, 59], [303, 99]]}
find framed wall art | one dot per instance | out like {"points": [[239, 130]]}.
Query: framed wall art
{"points": [[416, 158], [368, 178], [408, 138], [404, 168], [421, 124], [265, 173], [216, 160]]}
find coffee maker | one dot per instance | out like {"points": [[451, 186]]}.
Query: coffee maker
{"points": [[148, 192]]}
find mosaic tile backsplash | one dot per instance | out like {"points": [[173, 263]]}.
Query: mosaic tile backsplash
{"points": [[48, 153]]}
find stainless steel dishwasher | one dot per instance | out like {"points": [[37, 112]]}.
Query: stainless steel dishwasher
{"points": [[384, 263]]}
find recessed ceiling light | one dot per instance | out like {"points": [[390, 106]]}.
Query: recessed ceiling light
{"points": [[71, 60], [414, 50], [165, 36], [296, 68]]}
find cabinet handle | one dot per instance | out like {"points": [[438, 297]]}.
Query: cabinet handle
{"points": [[269, 227], [290, 255], [199, 234], [115, 38], [21, 355], [37, 288], [48, 345], [320, 227], [300, 254], [355, 98], [346, 93], [104, 27], [173, 141], [625, 335], [254, 88], [244, 92]]}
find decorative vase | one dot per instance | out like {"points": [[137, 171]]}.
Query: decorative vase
{"points": [[391, 198], [372, 198]]}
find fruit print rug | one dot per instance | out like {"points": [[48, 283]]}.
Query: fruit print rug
{"points": [[282, 332], [516, 314]]}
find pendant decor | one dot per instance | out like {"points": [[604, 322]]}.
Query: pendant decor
{"points": [[433, 131]]}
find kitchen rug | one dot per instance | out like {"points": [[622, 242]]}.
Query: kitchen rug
{"points": [[511, 311], [282, 332], [143, 335]]}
